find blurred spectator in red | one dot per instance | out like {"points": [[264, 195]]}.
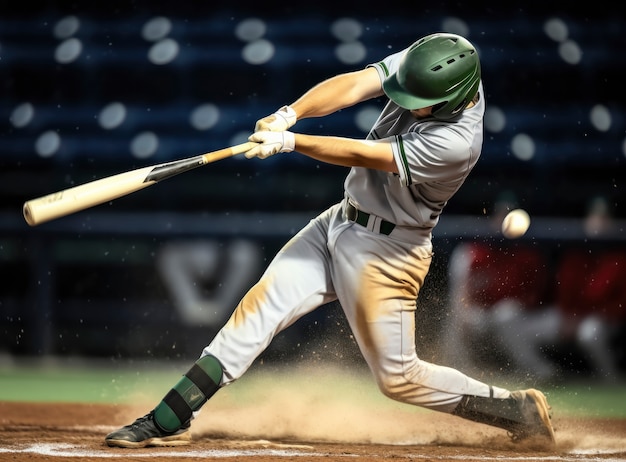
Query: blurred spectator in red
{"points": [[591, 294], [499, 295]]}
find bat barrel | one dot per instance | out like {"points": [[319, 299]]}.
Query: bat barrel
{"points": [[54, 206], [68, 201], [59, 204]]}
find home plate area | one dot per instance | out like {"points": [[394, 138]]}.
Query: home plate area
{"points": [[38, 432]]}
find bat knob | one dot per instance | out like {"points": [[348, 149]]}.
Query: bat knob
{"points": [[28, 215]]}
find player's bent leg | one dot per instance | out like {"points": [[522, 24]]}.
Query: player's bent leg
{"points": [[525, 414], [168, 423], [428, 385]]}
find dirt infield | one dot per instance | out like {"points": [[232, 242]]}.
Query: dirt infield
{"points": [[38, 432]]}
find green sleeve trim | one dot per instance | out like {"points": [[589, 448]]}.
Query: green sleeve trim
{"points": [[405, 163], [384, 68]]}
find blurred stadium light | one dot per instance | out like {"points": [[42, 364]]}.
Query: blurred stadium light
{"points": [[91, 89]]}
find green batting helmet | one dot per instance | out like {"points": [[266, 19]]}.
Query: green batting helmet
{"points": [[441, 70]]}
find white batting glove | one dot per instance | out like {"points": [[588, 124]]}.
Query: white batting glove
{"points": [[271, 143], [279, 121]]}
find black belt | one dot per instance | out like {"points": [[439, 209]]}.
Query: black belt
{"points": [[362, 218]]}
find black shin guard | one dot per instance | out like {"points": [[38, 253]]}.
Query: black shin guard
{"points": [[189, 394], [503, 413]]}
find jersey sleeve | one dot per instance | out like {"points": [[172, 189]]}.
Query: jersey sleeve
{"points": [[389, 65], [434, 153]]}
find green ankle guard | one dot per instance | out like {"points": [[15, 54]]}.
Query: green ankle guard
{"points": [[189, 394]]}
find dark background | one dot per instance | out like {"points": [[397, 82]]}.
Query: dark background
{"points": [[87, 285]]}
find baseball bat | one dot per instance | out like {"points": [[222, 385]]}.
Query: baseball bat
{"points": [[68, 201]]}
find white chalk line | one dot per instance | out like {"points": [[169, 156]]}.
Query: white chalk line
{"points": [[268, 448], [68, 450]]}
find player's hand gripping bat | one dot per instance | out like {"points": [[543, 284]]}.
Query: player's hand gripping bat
{"points": [[68, 201]]}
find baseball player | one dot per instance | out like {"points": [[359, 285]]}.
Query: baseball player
{"points": [[372, 250]]}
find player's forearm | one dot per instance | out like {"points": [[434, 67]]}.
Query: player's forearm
{"points": [[347, 152], [338, 92]]}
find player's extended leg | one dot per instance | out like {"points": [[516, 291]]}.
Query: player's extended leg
{"points": [[295, 283], [168, 423], [377, 281]]}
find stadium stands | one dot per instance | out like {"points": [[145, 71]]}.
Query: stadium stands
{"points": [[91, 90]]}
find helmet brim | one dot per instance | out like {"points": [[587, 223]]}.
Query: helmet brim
{"points": [[396, 93]]}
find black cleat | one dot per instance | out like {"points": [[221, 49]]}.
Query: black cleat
{"points": [[144, 432], [525, 414]]}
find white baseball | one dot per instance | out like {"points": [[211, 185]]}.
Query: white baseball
{"points": [[515, 224]]}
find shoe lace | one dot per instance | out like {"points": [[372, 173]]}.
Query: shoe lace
{"points": [[141, 420]]}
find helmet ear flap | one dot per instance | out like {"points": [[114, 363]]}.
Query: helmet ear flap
{"points": [[438, 107], [456, 110], [459, 107], [446, 112]]}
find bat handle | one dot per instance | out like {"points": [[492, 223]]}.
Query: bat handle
{"points": [[227, 152]]}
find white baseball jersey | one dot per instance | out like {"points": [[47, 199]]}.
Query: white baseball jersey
{"points": [[376, 276], [433, 158]]}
